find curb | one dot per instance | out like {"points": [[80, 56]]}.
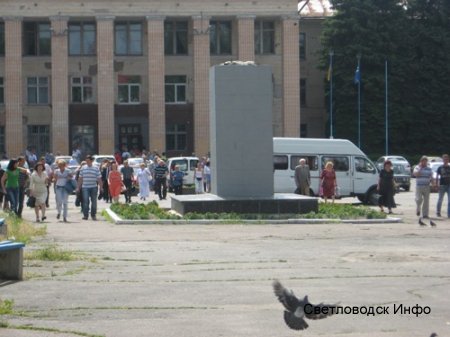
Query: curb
{"points": [[119, 221]]}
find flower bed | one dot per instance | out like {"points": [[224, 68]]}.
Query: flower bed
{"points": [[151, 210]]}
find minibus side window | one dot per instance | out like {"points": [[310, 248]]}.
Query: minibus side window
{"points": [[311, 161], [182, 163], [340, 163], [193, 165], [280, 162], [363, 165]]}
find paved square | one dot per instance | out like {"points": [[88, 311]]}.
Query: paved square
{"points": [[215, 280]]}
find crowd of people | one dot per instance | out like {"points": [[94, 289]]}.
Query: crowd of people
{"points": [[386, 187]]}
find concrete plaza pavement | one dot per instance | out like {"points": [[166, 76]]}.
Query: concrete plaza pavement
{"points": [[215, 280]]}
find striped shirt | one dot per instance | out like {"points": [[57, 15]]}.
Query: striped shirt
{"points": [[423, 175], [161, 171], [90, 175]]}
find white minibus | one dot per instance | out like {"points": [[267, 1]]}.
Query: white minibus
{"points": [[356, 175]]}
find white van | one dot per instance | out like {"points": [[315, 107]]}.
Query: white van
{"points": [[187, 166], [356, 175]]}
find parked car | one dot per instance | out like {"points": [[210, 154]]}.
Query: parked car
{"points": [[402, 170], [99, 158]]}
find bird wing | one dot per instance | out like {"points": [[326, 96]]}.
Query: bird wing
{"points": [[317, 311], [294, 322], [286, 297]]}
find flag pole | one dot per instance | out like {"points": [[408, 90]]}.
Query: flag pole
{"points": [[359, 100], [330, 78], [386, 106]]}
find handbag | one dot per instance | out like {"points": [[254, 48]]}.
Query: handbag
{"points": [[70, 186], [31, 202]]}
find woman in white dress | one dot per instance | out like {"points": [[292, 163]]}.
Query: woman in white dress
{"points": [[38, 189], [143, 178]]}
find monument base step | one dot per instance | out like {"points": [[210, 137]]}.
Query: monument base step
{"points": [[279, 203]]}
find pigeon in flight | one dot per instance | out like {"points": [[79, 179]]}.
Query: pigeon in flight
{"points": [[423, 224], [432, 223], [297, 310]]}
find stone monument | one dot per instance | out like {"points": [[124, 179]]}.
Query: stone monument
{"points": [[241, 146]]}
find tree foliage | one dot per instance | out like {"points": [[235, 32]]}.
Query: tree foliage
{"points": [[414, 38]]}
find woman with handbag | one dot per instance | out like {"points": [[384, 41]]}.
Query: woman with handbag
{"points": [[61, 176], [38, 189]]}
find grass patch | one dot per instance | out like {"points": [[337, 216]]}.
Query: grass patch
{"points": [[6, 307], [51, 253], [36, 328], [326, 211], [20, 230]]}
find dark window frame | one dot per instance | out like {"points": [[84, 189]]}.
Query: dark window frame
{"points": [[2, 91], [84, 84], [217, 37], [173, 33], [35, 31], [177, 135], [303, 91], [176, 86], [302, 45], [83, 32], [2, 39], [128, 41], [39, 136]]}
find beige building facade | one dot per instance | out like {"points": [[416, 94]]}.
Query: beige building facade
{"points": [[107, 75]]}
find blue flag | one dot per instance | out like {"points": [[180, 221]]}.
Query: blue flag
{"points": [[357, 79]]}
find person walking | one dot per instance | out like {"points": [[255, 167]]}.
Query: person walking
{"points": [[10, 184], [115, 183], [143, 179], [423, 174], [161, 172], [302, 177], [90, 184], [207, 176], [49, 171], [23, 182], [198, 178], [105, 169], [328, 182], [177, 180], [127, 176], [443, 181], [386, 187], [60, 177], [38, 189]]}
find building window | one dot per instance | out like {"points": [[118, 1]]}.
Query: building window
{"points": [[264, 37], [176, 137], [303, 130], [2, 91], [175, 89], [82, 89], [39, 136], [37, 37], [128, 38], [2, 141], [129, 89], [220, 37], [37, 90], [175, 37], [130, 136], [302, 46], [2, 39], [82, 38], [303, 92]]}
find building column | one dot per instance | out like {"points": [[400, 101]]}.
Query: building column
{"points": [[13, 86], [246, 37], [105, 84], [59, 85], [202, 63], [156, 80], [291, 76]]}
